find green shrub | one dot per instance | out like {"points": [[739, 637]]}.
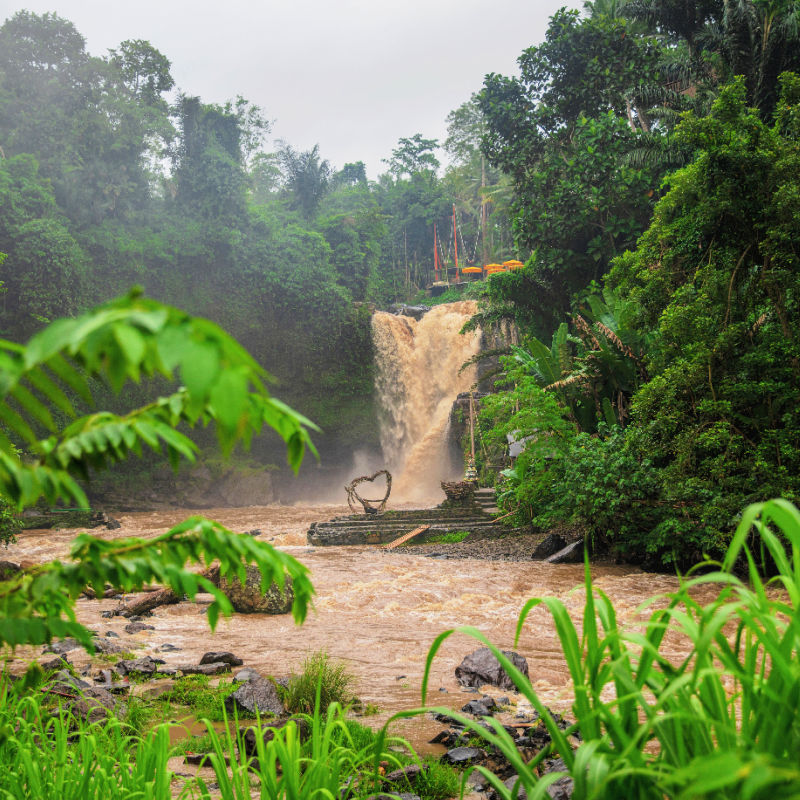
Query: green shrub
{"points": [[331, 679]]}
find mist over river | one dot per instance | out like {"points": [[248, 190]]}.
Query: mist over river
{"points": [[376, 610]]}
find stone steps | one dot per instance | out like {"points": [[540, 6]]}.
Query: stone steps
{"points": [[382, 529]]}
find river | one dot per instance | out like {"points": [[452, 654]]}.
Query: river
{"points": [[377, 611]]}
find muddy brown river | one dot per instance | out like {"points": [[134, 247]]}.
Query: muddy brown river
{"points": [[377, 611]]}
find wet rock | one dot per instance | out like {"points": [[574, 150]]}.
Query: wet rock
{"points": [[64, 680], [255, 532], [64, 646], [106, 646], [136, 627], [448, 738], [246, 674], [481, 667], [480, 708], [224, 656], [257, 695], [268, 733], [416, 312], [409, 773], [108, 614], [168, 648], [58, 662], [550, 545], [571, 554], [216, 668], [96, 703], [502, 701], [248, 598], [462, 756], [140, 666], [562, 788], [8, 570], [521, 793], [112, 634]]}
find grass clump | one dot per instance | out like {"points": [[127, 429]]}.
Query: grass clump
{"points": [[454, 537], [196, 693], [320, 674]]}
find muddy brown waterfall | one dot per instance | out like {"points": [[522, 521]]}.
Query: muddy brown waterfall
{"points": [[418, 377]]}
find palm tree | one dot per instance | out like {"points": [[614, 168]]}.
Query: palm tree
{"points": [[306, 178]]}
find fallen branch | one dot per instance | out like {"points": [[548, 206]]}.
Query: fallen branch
{"points": [[161, 597]]}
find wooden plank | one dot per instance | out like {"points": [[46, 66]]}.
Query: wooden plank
{"points": [[406, 536]]}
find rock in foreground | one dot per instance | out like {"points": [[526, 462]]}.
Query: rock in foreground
{"points": [[481, 667], [248, 598]]}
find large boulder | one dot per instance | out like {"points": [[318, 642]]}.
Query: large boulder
{"points": [[481, 667], [258, 695], [248, 598]]}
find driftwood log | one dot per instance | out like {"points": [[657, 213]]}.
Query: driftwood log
{"points": [[161, 597]]}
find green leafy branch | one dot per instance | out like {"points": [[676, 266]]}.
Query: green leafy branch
{"points": [[38, 605]]}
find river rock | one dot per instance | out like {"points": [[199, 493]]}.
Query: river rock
{"points": [[480, 708], [95, 704], [257, 695], [224, 656], [248, 598], [106, 646], [550, 545], [461, 756], [8, 570], [136, 627], [141, 666], [409, 773], [268, 733], [214, 668], [64, 646], [571, 554], [57, 662], [481, 667], [246, 674]]}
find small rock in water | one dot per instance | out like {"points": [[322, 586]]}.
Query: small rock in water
{"points": [[59, 648], [224, 656], [400, 677], [167, 648], [107, 614], [216, 668], [136, 627], [481, 667], [443, 690], [112, 634], [255, 532]]}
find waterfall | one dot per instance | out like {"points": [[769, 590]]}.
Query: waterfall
{"points": [[417, 380]]}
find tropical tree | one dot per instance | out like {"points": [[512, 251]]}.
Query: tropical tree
{"points": [[306, 178]]}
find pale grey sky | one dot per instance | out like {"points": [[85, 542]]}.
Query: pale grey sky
{"points": [[351, 75]]}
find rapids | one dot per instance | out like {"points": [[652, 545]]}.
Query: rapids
{"points": [[378, 611]]}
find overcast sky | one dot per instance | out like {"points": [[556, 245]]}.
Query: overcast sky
{"points": [[351, 75]]}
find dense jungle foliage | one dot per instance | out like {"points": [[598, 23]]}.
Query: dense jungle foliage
{"points": [[655, 158], [110, 178]]}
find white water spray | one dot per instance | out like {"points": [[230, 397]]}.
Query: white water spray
{"points": [[418, 378]]}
